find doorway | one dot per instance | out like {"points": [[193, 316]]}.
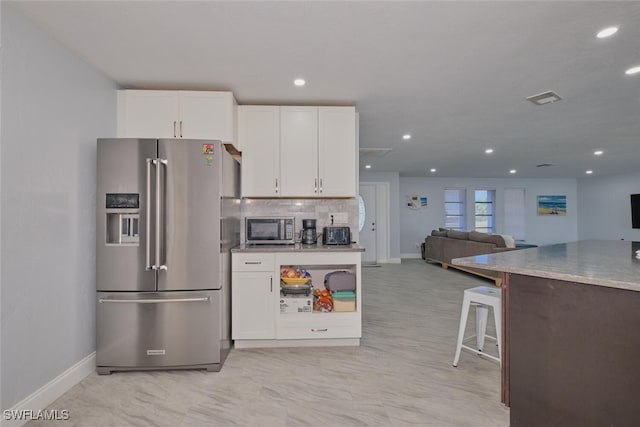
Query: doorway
{"points": [[374, 221]]}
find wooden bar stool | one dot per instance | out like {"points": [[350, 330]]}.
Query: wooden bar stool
{"points": [[482, 297]]}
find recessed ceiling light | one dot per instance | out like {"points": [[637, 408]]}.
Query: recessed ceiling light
{"points": [[588, 172], [598, 153], [607, 32], [513, 171], [489, 150], [633, 70], [299, 82], [368, 166], [406, 136], [432, 170]]}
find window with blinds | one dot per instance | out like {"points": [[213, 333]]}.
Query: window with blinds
{"points": [[515, 218], [455, 208], [484, 208]]}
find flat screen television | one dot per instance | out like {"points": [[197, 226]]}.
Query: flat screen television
{"points": [[635, 210]]}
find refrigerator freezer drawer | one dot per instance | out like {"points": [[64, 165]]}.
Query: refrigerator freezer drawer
{"points": [[158, 329]]}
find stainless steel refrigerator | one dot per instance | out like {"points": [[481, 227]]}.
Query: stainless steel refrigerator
{"points": [[168, 213]]}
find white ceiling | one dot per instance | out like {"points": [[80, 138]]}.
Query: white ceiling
{"points": [[455, 75]]}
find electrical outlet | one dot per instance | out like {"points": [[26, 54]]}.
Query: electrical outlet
{"points": [[339, 217]]}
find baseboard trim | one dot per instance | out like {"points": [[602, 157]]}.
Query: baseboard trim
{"points": [[49, 392], [411, 255], [394, 260]]}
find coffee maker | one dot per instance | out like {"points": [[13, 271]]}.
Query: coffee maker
{"points": [[308, 234]]}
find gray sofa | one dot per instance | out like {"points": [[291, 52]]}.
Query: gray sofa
{"points": [[444, 245]]}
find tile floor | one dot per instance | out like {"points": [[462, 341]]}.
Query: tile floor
{"points": [[401, 375]]}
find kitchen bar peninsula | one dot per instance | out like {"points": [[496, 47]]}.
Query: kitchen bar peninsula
{"points": [[277, 291], [571, 350]]}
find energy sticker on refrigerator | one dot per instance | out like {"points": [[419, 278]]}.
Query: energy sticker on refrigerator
{"points": [[207, 149]]}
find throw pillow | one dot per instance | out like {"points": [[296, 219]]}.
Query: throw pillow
{"points": [[509, 241], [439, 233]]}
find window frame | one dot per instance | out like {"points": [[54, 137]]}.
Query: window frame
{"points": [[491, 207], [462, 202]]}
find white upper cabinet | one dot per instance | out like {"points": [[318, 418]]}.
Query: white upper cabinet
{"points": [[259, 140], [337, 151], [177, 114], [147, 113], [313, 151], [299, 151]]}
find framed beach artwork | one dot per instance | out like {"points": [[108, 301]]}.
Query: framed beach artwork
{"points": [[552, 205]]}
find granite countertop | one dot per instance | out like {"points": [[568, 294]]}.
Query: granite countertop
{"points": [[298, 247], [609, 263]]}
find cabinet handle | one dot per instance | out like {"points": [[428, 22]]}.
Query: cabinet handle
{"points": [[319, 330], [174, 128], [321, 185], [253, 262], [276, 185], [270, 284], [180, 128], [315, 186]]}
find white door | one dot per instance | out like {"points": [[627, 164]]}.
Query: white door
{"points": [[259, 136], [206, 115], [252, 302], [148, 114], [299, 151], [368, 236], [337, 151]]}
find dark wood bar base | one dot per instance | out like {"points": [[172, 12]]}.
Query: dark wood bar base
{"points": [[572, 353]]}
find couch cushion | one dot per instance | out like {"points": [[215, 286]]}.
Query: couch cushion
{"points": [[460, 235], [476, 236], [439, 233], [496, 239], [443, 229]]}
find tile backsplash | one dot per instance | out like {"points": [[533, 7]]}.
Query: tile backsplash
{"points": [[318, 209]]}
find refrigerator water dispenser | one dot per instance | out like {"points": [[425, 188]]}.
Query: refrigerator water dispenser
{"points": [[123, 219]]}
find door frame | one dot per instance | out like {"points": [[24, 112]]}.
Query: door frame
{"points": [[383, 217]]}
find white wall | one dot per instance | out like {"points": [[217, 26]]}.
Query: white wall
{"points": [[54, 107], [415, 225], [605, 207], [393, 178]]}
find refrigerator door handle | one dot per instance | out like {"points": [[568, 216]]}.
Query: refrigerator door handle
{"points": [[152, 300], [147, 237], [159, 214]]}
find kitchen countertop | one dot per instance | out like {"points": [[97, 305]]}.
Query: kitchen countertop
{"points": [[298, 247], [609, 263]]}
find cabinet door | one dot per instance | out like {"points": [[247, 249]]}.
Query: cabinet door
{"points": [[299, 151], [207, 115], [259, 137], [252, 306], [337, 151], [147, 114]]}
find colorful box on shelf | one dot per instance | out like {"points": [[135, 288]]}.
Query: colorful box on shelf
{"points": [[344, 300]]}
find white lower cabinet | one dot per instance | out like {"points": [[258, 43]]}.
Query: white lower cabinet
{"points": [[258, 319], [253, 290]]}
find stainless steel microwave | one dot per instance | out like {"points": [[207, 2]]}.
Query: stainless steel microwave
{"points": [[269, 230]]}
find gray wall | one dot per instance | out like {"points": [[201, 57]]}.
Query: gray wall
{"points": [[54, 107], [541, 230], [393, 179], [605, 207]]}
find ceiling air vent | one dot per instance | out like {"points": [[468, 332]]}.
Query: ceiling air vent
{"points": [[544, 98], [374, 152], [544, 165]]}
